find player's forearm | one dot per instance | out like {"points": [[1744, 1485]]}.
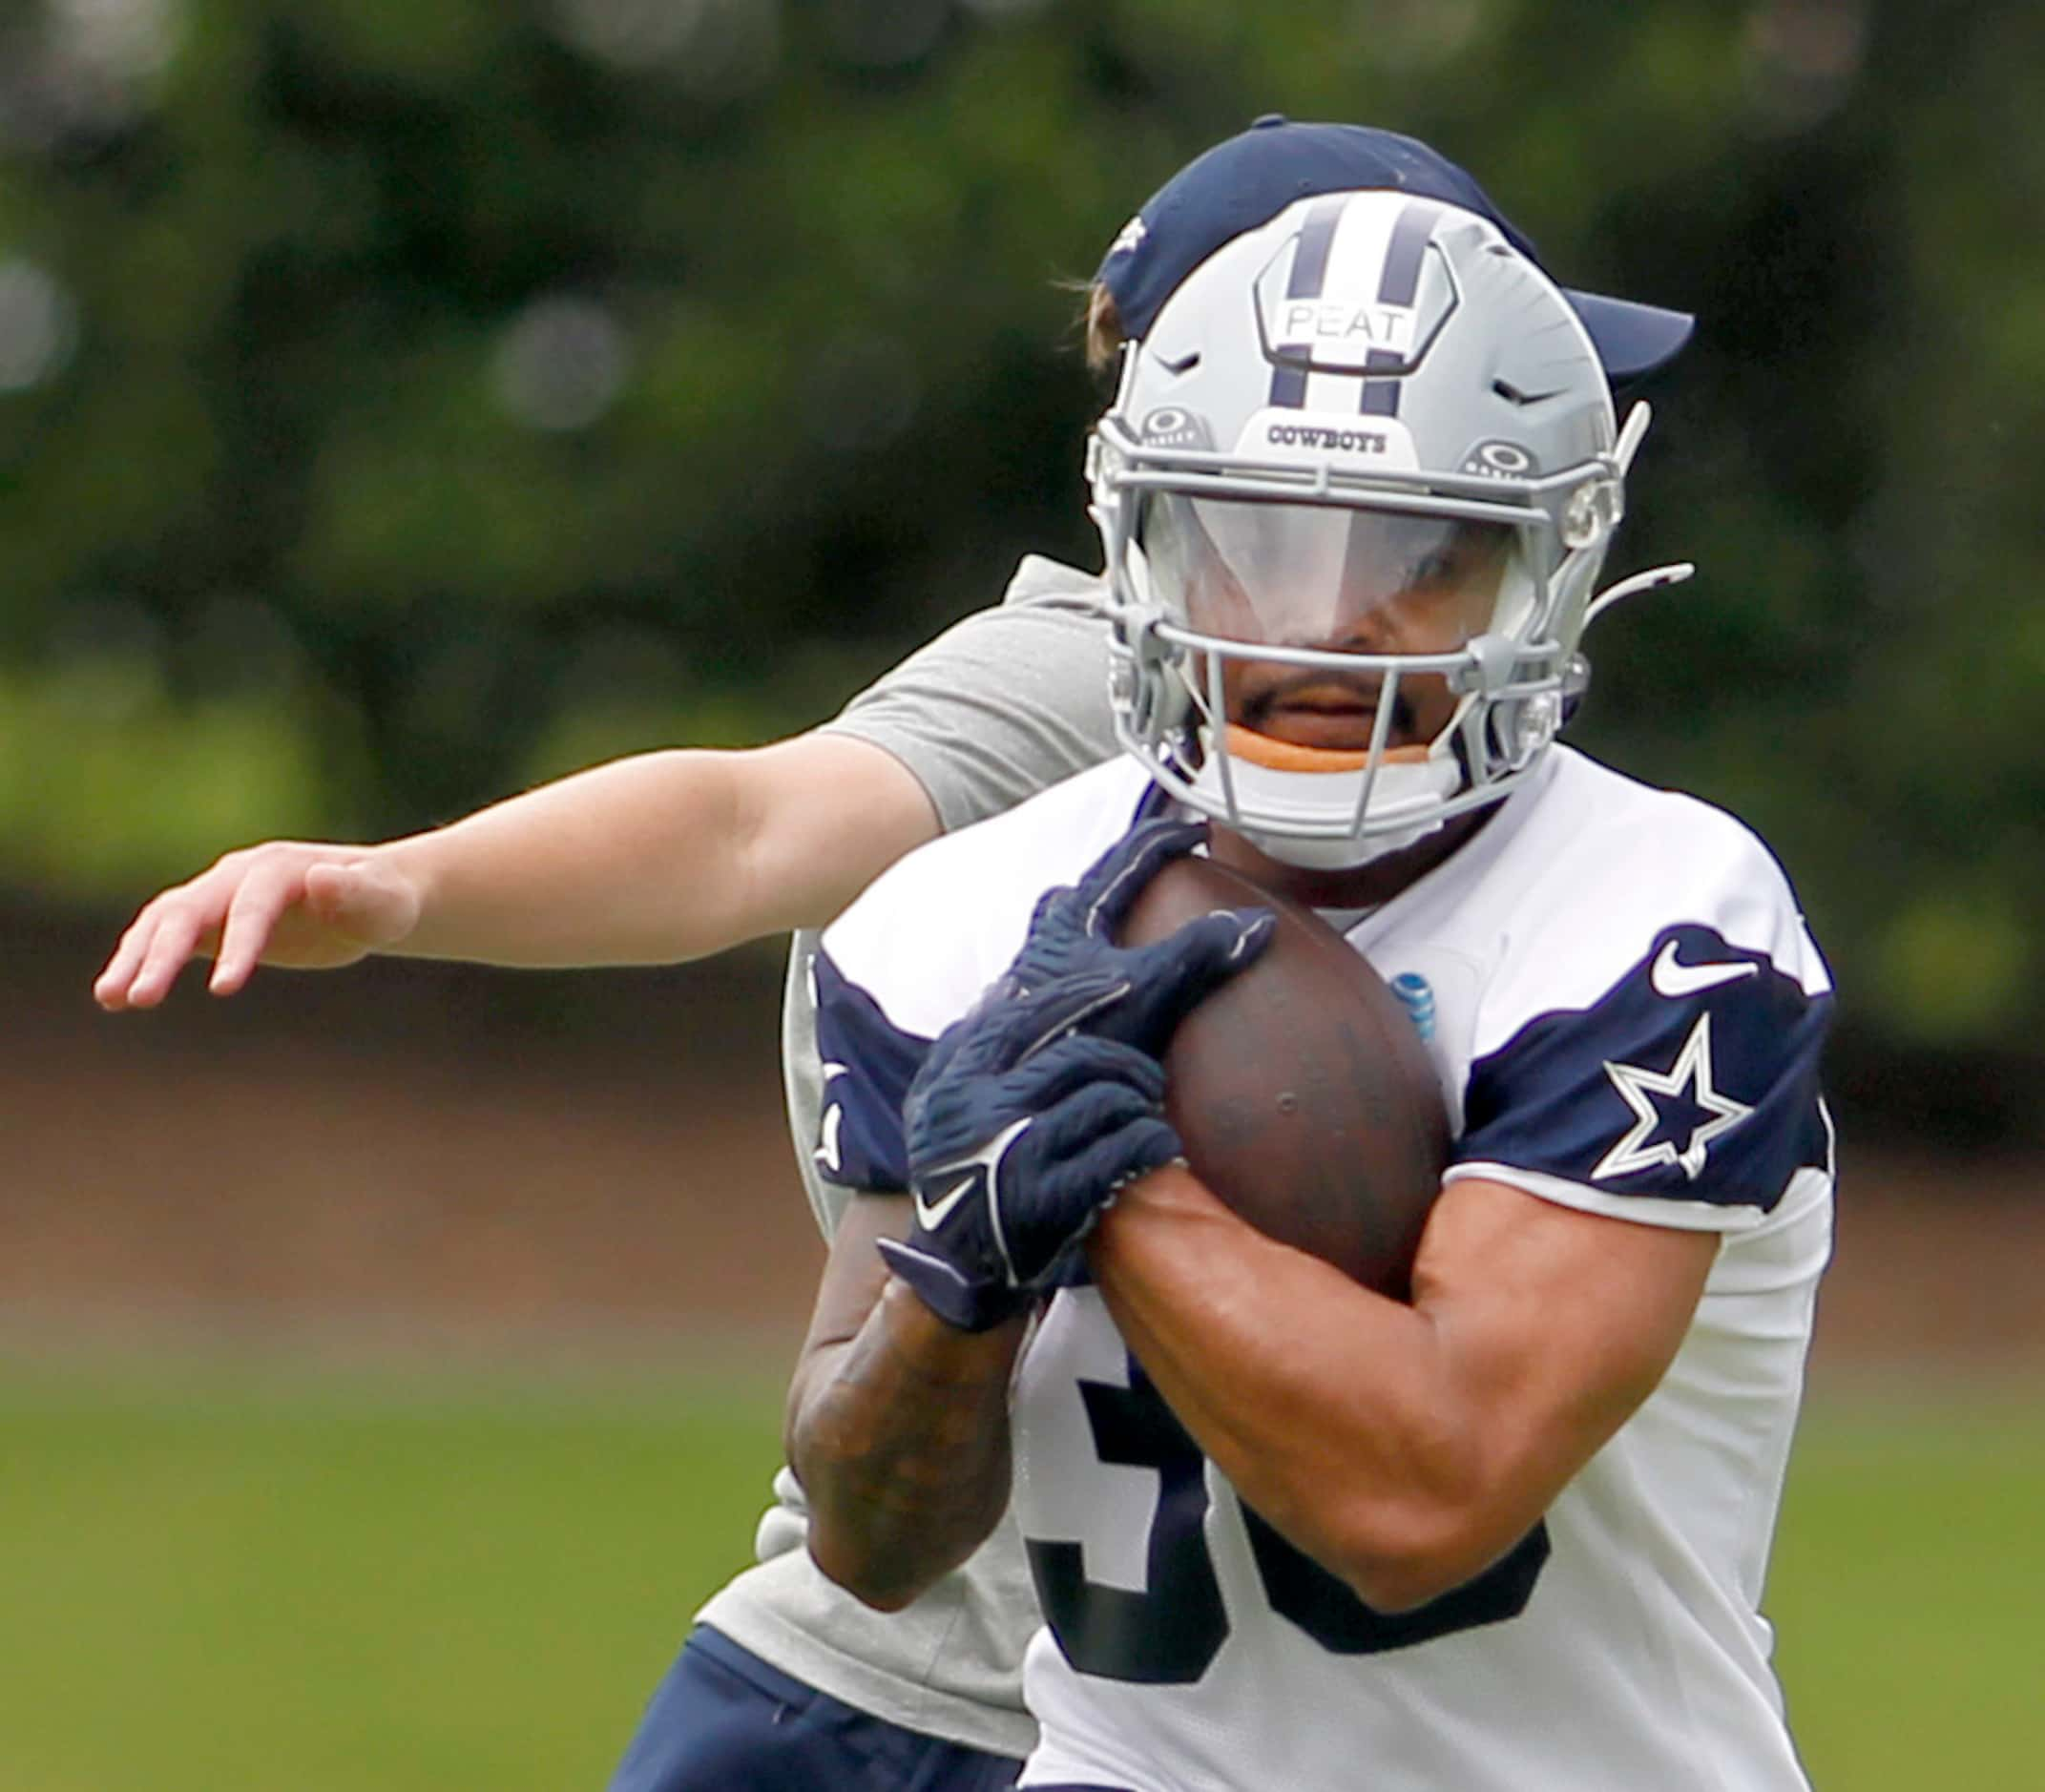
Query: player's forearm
{"points": [[1331, 1410], [666, 856], [640, 860], [900, 1438]]}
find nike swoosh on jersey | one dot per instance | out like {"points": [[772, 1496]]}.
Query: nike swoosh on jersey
{"points": [[1675, 980]]}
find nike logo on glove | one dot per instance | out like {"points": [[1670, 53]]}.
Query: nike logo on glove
{"points": [[930, 1215], [1675, 980], [979, 1174]]}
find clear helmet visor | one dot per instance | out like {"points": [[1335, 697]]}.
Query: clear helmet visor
{"points": [[1377, 583], [1314, 576]]}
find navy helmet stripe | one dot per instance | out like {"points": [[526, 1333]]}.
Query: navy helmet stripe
{"points": [[1397, 285], [1310, 272], [1288, 385], [1381, 395], [1317, 237], [1403, 254]]}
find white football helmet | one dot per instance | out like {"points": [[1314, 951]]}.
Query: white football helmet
{"points": [[1363, 467]]}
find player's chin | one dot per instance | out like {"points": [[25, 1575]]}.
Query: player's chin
{"points": [[1331, 729]]}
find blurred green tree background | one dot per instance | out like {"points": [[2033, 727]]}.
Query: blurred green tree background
{"points": [[403, 404]]}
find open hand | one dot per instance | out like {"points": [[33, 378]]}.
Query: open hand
{"points": [[295, 905]]}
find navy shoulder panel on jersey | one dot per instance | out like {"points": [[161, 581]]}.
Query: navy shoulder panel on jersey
{"points": [[1694, 1077], [868, 1063]]}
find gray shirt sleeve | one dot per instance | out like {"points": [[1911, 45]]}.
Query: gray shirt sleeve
{"points": [[998, 707], [1001, 705]]}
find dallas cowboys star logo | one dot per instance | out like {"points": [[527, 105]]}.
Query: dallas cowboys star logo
{"points": [[1694, 1106]]}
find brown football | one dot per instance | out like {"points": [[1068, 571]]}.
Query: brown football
{"points": [[1300, 1088]]}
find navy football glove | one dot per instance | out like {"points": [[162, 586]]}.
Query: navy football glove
{"points": [[1032, 1111], [1072, 933], [1019, 1131]]}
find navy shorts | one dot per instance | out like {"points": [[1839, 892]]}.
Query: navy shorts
{"points": [[723, 1721]]}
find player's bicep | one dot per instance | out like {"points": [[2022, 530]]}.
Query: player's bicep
{"points": [[821, 816], [1556, 1323]]}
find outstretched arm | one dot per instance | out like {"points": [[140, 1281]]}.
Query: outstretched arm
{"points": [[648, 860]]}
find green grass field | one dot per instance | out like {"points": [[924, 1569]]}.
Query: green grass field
{"points": [[237, 1579]]}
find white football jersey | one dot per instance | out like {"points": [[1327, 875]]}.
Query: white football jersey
{"points": [[1626, 1012]]}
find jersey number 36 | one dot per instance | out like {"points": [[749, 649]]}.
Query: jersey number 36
{"points": [[1170, 1633]]}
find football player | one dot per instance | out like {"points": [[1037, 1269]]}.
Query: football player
{"points": [[671, 855], [1355, 489]]}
